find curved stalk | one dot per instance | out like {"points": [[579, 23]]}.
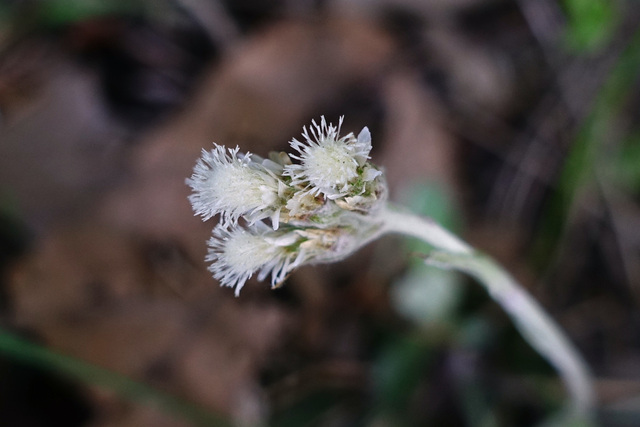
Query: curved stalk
{"points": [[535, 325]]}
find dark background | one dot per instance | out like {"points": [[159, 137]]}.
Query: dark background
{"points": [[512, 122]]}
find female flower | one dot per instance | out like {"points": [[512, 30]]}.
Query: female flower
{"points": [[237, 253], [321, 209], [331, 165], [234, 185]]}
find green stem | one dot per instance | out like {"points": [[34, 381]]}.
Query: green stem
{"points": [[535, 325]]}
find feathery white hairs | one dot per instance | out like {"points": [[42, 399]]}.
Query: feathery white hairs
{"points": [[321, 209], [328, 204]]}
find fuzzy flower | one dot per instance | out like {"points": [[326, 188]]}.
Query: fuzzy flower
{"points": [[236, 254], [322, 208], [233, 185], [331, 165]]}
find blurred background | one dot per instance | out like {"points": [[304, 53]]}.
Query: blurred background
{"points": [[512, 122]]}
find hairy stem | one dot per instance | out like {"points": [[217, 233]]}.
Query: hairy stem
{"points": [[401, 221], [535, 325]]}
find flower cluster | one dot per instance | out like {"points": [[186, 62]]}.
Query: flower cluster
{"points": [[321, 208]]}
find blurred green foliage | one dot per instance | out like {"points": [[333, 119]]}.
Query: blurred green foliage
{"points": [[624, 167], [400, 367], [604, 152], [591, 23], [59, 12]]}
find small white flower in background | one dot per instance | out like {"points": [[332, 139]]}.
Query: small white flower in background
{"points": [[321, 209]]}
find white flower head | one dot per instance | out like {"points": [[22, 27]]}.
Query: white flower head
{"points": [[322, 208], [236, 254], [329, 164], [234, 185]]}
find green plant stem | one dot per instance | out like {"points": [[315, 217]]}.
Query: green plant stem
{"points": [[535, 325]]}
